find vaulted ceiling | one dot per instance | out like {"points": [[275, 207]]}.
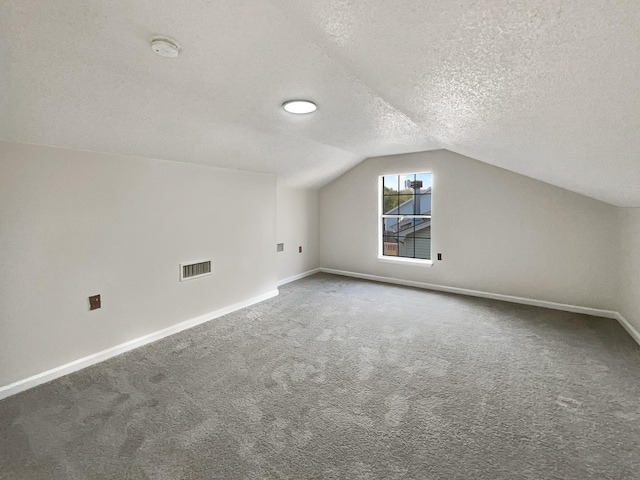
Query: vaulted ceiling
{"points": [[545, 88]]}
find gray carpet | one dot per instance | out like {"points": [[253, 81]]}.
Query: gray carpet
{"points": [[342, 378]]}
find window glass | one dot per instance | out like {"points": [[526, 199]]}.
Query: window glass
{"points": [[406, 215]]}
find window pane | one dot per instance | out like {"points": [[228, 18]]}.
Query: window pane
{"points": [[405, 179], [405, 225], [423, 248], [390, 204], [390, 225], [390, 184], [390, 246], [423, 204], [390, 197], [422, 240], [425, 178], [405, 240], [422, 222]]}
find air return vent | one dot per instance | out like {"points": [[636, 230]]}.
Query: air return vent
{"points": [[195, 269]]}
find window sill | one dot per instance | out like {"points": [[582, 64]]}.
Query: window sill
{"points": [[406, 261]]}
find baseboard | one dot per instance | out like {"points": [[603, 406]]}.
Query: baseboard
{"points": [[628, 327], [476, 293], [49, 375], [61, 371], [497, 296], [298, 277]]}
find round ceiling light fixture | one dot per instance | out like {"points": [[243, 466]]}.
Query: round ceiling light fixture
{"points": [[299, 107], [165, 47]]}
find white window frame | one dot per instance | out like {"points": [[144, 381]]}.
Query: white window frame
{"points": [[416, 262]]}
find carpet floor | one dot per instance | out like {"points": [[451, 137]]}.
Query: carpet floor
{"points": [[340, 378]]}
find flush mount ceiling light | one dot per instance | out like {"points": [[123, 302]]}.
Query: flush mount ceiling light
{"points": [[299, 107], [165, 47]]}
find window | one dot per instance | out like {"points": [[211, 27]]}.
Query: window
{"points": [[405, 219]]}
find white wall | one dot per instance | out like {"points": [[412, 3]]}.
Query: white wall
{"points": [[75, 224], [629, 290], [498, 231], [297, 225]]}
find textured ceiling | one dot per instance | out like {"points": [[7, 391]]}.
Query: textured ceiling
{"points": [[549, 89]]}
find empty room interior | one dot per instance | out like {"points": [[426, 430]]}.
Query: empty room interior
{"points": [[365, 239]]}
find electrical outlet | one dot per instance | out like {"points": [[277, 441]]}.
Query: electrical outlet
{"points": [[439, 256], [94, 302], [280, 247], [300, 249]]}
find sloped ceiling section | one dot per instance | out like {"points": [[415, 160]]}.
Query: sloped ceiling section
{"points": [[547, 89]]}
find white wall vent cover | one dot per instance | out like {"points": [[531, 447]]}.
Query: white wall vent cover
{"points": [[197, 269]]}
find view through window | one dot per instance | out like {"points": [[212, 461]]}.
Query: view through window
{"points": [[406, 216]]}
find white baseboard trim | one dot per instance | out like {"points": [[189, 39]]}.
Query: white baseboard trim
{"points": [[76, 365], [44, 377], [497, 296], [298, 277], [628, 327], [476, 293]]}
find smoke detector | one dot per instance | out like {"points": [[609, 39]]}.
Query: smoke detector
{"points": [[165, 47]]}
